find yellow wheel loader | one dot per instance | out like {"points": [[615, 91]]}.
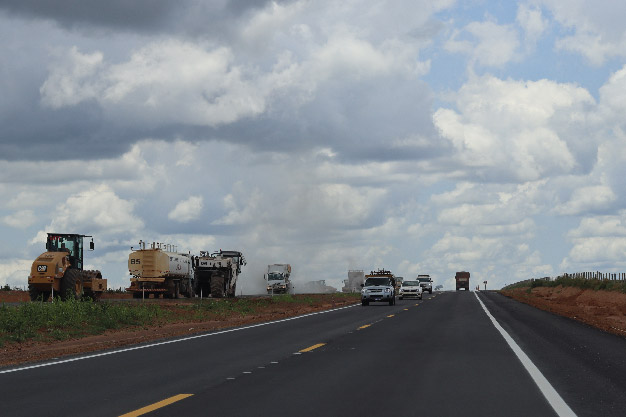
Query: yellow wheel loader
{"points": [[59, 270]]}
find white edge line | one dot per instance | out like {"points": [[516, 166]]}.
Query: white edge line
{"points": [[41, 365], [548, 391]]}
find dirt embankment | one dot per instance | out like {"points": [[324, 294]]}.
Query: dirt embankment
{"points": [[605, 310], [183, 325]]}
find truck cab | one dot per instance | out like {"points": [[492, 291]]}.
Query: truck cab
{"points": [[379, 286], [277, 278]]}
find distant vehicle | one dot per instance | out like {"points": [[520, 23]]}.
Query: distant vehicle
{"points": [[379, 286], [399, 281], [462, 280], [356, 278], [317, 287], [277, 278], [410, 289], [426, 282]]}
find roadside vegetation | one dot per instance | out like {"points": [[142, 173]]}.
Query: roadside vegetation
{"points": [[63, 320], [582, 283]]}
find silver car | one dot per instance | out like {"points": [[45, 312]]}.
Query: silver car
{"points": [[410, 289]]}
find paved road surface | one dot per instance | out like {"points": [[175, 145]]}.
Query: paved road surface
{"points": [[437, 357]]}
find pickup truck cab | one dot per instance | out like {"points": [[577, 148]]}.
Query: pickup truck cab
{"points": [[379, 287]]}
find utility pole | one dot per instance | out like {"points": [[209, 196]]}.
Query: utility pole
{"points": [[485, 282]]}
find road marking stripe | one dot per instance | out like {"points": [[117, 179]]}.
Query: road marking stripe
{"points": [[391, 315], [156, 406], [548, 391], [310, 348], [365, 326], [167, 342], [406, 309]]}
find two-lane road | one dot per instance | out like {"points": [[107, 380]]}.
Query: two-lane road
{"points": [[439, 356]]}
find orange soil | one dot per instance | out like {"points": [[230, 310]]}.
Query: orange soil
{"points": [[605, 310]]}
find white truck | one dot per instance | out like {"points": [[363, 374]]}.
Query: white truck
{"points": [[426, 282], [277, 278]]}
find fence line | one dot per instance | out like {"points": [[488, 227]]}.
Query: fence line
{"points": [[609, 276]]}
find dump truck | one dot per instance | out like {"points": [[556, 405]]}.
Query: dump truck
{"points": [[159, 270], [277, 278], [60, 271], [216, 273], [356, 277], [462, 280]]}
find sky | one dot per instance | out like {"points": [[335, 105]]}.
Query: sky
{"points": [[421, 136]]}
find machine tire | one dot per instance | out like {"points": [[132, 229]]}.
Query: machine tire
{"points": [[365, 303], [177, 290], [217, 286], [37, 295], [68, 284], [392, 301], [400, 298]]}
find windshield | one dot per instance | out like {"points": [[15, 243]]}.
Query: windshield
{"points": [[376, 281], [423, 279], [410, 283], [273, 276]]}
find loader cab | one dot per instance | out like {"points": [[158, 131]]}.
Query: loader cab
{"points": [[71, 243]]}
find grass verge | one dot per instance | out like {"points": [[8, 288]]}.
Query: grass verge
{"points": [[63, 320]]}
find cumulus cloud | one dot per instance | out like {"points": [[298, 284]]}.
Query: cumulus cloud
{"points": [[21, 219], [187, 210], [15, 273], [487, 43], [592, 198], [599, 33], [597, 243], [518, 130], [97, 210], [532, 22]]}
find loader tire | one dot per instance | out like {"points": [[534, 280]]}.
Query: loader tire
{"points": [[68, 284], [233, 291], [217, 286], [38, 295]]}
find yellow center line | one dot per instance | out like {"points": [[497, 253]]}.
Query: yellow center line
{"points": [[406, 309], [416, 305], [391, 315], [363, 327], [310, 348], [156, 406]]}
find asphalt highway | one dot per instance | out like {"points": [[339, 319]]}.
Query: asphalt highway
{"points": [[446, 355]]}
